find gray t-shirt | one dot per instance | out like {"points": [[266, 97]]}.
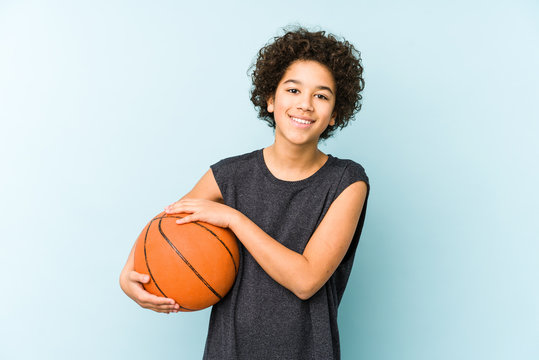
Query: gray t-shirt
{"points": [[259, 318]]}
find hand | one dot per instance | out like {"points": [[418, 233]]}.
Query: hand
{"points": [[203, 210], [131, 283]]}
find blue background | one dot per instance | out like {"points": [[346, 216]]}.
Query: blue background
{"points": [[111, 110]]}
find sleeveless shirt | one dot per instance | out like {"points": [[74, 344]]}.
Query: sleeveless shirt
{"points": [[259, 318]]}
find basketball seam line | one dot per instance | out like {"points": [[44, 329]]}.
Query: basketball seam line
{"points": [[146, 259], [211, 232], [222, 242], [187, 262], [148, 266]]}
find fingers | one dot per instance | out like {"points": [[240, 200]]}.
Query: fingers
{"points": [[146, 299], [157, 303], [183, 206], [138, 277], [186, 219], [172, 208]]}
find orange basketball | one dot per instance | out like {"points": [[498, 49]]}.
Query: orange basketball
{"points": [[195, 263]]}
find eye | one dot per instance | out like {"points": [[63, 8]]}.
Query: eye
{"points": [[293, 91], [320, 96]]}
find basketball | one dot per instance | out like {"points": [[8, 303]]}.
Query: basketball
{"points": [[195, 263]]}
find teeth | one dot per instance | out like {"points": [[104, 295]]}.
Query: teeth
{"points": [[301, 121]]}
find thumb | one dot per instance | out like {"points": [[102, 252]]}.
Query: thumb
{"points": [[187, 219], [142, 278]]}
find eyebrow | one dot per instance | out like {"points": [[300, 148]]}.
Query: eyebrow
{"points": [[321, 87]]}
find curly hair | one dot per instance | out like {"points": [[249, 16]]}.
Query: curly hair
{"points": [[339, 56]]}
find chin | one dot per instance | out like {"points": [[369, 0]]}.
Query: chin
{"points": [[302, 141], [296, 138]]}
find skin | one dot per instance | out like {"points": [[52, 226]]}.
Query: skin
{"points": [[306, 91]]}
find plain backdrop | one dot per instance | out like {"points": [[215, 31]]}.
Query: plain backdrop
{"points": [[111, 110]]}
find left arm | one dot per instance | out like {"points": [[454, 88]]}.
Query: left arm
{"points": [[303, 274]]}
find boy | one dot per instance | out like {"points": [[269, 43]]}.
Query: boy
{"points": [[297, 212]]}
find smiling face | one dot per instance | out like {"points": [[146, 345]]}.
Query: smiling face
{"points": [[303, 103]]}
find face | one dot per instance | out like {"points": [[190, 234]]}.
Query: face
{"points": [[303, 103]]}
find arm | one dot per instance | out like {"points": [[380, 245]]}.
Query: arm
{"points": [[131, 281], [303, 274]]}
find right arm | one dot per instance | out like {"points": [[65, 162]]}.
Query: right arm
{"points": [[131, 281]]}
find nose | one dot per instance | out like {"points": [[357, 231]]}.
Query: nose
{"points": [[305, 103]]}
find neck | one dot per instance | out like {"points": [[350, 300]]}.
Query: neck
{"points": [[293, 162]]}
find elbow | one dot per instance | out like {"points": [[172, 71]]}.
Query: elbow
{"points": [[304, 295], [305, 291], [306, 284]]}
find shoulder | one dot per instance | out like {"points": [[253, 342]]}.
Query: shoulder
{"points": [[231, 172], [235, 161], [235, 169], [349, 170]]}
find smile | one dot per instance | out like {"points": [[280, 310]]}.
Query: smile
{"points": [[301, 121]]}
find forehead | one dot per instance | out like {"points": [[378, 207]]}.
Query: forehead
{"points": [[309, 73]]}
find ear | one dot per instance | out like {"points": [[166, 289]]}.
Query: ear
{"points": [[332, 120], [270, 104]]}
